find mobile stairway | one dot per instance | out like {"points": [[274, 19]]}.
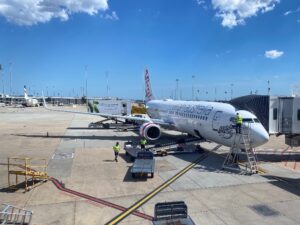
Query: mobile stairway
{"points": [[13, 215], [169, 213], [232, 159]]}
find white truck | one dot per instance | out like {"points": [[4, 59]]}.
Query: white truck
{"points": [[113, 107]]}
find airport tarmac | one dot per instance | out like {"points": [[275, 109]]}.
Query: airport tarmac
{"points": [[82, 159]]}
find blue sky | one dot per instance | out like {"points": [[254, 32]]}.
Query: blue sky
{"points": [[244, 43]]}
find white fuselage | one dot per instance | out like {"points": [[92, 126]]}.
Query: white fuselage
{"points": [[213, 121], [31, 102]]}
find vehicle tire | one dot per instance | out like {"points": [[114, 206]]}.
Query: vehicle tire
{"points": [[126, 153], [133, 175], [152, 175]]}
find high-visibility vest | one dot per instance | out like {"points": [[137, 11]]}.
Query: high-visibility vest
{"points": [[116, 148], [143, 142], [238, 119]]}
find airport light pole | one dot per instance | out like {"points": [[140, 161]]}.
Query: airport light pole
{"points": [[193, 78], [86, 80], [215, 94], [269, 89], [2, 78], [177, 89], [107, 87], [10, 78]]}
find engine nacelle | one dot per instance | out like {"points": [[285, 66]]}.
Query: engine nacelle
{"points": [[150, 131]]}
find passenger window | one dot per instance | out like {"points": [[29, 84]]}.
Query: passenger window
{"points": [[298, 114], [275, 114]]}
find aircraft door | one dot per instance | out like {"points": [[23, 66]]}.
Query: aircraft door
{"points": [[216, 120], [286, 115]]}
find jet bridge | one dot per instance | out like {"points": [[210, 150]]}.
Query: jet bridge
{"points": [[279, 115]]}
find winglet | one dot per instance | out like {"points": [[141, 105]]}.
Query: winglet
{"points": [[25, 92], [44, 101]]}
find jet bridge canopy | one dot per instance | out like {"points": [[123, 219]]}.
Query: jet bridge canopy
{"points": [[257, 104], [279, 115]]}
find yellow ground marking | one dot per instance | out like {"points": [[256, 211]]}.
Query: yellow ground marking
{"points": [[155, 191]]}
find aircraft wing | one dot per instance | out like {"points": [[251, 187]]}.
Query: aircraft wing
{"points": [[133, 118], [164, 124]]}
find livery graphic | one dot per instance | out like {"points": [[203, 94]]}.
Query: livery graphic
{"points": [[226, 131], [92, 106], [148, 90]]}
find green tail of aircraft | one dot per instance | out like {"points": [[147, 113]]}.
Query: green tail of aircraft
{"points": [[93, 107]]}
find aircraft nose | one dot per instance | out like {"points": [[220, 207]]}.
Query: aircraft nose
{"points": [[261, 136]]}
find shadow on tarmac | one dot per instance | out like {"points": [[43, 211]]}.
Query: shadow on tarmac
{"points": [[15, 188], [93, 137], [213, 163], [291, 185], [128, 177]]}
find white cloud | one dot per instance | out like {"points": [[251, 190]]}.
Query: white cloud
{"points": [[234, 12], [30, 12], [112, 16], [273, 54], [200, 2], [287, 13], [291, 12]]}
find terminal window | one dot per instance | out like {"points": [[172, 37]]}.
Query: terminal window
{"points": [[275, 114]]}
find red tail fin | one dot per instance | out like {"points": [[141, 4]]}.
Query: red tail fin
{"points": [[148, 91]]}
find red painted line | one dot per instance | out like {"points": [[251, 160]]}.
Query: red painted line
{"points": [[59, 186], [100, 201]]}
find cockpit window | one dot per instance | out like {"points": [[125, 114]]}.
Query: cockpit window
{"points": [[247, 120], [256, 120]]}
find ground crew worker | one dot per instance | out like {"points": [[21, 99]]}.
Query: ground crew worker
{"points": [[238, 123], [143, 143], [116, 149]]}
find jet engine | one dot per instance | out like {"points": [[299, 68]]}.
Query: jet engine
{"points": [[150, 131]]}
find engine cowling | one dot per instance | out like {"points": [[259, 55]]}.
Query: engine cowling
{"points": [[150, 131]]}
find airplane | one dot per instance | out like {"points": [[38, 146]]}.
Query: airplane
{"points": [[30, 102], [211, 121]]}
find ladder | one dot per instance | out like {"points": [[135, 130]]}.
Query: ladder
{"points": [[14, 215], [231, 160]]}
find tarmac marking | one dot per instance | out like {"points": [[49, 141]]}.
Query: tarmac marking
{"points": [[61, 187], [146, 198], [101, 201]]}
